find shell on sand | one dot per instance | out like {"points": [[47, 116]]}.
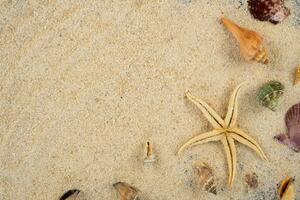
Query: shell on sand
{"points": [[273, 11], [206, 177], [297, 76], [70, 195], [150, 156], [251, 180], [126, 191], [251, 42], [286, 190], [270, 93], [292, 120]]}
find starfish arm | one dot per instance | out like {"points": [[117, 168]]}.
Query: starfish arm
{"points": [[230, 151], [230, 119], [211, 139], [245, 139], [211, 115], [210, 136]]}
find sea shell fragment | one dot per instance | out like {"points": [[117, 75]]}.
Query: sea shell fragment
{"points": [[251, 42], [70, 195], [286, 190], [206, 178], [251, 180], [273, 11], [297, 76], [126, 191], [270, 93], [150, 156], [292, 121]]}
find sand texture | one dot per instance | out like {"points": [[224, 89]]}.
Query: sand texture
{"points": [[84, 85]]}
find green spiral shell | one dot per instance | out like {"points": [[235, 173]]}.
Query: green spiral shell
{"points": [[270, 93]]}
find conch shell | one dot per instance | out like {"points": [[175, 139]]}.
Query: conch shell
{"points": [[150, 156], [286, 189], [70, 195], [297, 76], [250, 42], [292, 121], [206, 178]]}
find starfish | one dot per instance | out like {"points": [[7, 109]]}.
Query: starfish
{"points": [[224, 130]]}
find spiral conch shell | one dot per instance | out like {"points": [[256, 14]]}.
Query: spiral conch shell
{"points": [[297, 76], [286, 190], [250, 42]]}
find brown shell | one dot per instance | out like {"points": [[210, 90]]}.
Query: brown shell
{"points": [[70, 195], [251, 180], [273, 11], [286, 190], [126, 191], [297, 76], [250, 42], [206, 178]]}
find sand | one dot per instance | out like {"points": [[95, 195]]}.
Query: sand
{"points": [[85, 84]]}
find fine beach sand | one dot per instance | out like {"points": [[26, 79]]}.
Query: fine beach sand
{"points": [[85, 84]]}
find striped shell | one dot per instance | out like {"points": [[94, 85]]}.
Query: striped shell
{"points": [[273, 11], [206, 178], [292, 120], [270, 93]]}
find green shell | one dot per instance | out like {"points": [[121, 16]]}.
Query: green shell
{"points": [[270, 93]]}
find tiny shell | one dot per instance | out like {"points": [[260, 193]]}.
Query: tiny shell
{"points": [[251, 180], [126, 191], [250, 42], [206, 178], [273, 11], [150, 156], [270, 93], [292, 121], [70, 195], [286, 190], [297, 76]]}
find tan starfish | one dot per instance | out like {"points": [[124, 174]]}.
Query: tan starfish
{"points": [[225, 131]]}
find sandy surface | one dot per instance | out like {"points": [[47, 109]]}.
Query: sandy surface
{"points": [[85, 85]]}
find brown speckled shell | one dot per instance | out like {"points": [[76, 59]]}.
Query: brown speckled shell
{"points": [[251, 180], [273, 11]]}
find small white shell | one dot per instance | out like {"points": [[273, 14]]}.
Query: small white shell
{"points": [[150, 156]]}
